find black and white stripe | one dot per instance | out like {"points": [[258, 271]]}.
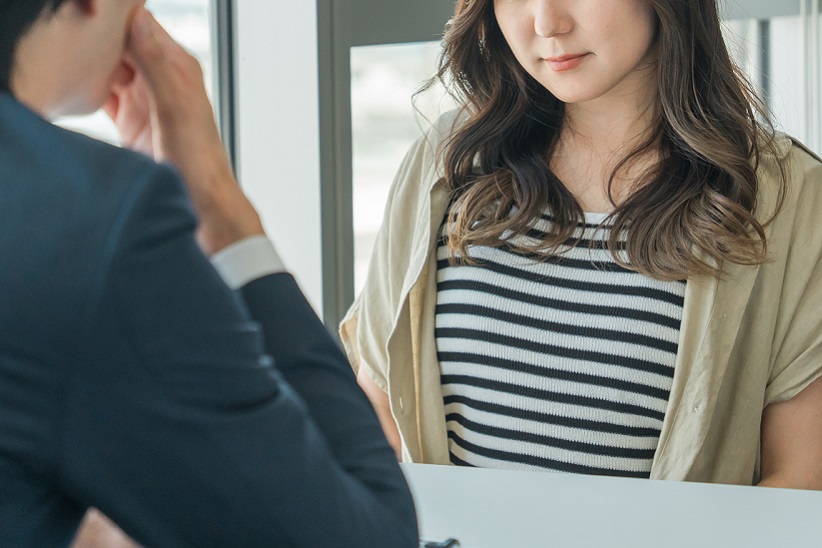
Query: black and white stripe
{"points": [[563, 364]]}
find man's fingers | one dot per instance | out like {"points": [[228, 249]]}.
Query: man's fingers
{"points": [[124, 75], [143, 44], [112, 106], [151, 48], [169, 70]]}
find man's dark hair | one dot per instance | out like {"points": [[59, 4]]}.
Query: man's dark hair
{"points": [[16, 18]]}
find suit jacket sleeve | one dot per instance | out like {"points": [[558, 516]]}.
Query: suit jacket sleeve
{"points": [[180, 427]]}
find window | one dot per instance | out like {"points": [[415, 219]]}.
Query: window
{"points": [[782, 55], [385, 120], [294, 159]]}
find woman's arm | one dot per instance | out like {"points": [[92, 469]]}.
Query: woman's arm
{"points": [[792, 441], [379, 399]]}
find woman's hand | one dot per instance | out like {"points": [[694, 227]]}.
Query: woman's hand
{"points": [[379, 400], [163, 110]]}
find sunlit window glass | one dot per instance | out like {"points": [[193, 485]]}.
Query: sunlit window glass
{"points": [[385, 122], [786, 67]]}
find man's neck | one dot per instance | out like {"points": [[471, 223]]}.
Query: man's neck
{"points": [[44, 68]]}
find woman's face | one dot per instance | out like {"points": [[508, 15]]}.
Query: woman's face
{"points": [[583, 50]]}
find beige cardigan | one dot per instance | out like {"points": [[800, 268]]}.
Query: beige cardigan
{"points": [[751, 338]]}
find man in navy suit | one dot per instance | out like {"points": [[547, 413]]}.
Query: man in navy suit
{"points": [[132, 378]]}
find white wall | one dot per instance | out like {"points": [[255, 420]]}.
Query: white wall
{"points": [[278, 129]]}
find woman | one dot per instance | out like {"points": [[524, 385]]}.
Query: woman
{"points": [[604, 262]]}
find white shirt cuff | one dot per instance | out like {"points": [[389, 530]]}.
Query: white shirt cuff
{"points": [[247, 260]]}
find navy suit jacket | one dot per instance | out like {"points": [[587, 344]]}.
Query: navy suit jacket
{"points": [[133, 380]]}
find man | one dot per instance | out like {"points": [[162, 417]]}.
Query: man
{"points": [[132, 379]]}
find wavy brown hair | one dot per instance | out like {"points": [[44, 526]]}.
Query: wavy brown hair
{"points": [[697, 201]]}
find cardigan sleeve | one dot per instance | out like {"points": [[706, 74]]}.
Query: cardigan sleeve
{"points": [[398, 255], [798, 359], [801, 350]]}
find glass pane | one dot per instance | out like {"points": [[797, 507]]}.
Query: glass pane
{"points": [[385, 123], [188, 21], [786, 81], [793, 73]]}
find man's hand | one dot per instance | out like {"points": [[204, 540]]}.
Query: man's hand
{"points": [[130, 109], [164, 111], [97, 531]]}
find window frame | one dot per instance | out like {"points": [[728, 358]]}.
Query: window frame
{"points": [[345, 25]]}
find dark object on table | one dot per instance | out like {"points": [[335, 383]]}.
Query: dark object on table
{"points": [[449, 543]]}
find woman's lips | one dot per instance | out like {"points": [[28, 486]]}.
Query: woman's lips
{"points": [[566, 62]]}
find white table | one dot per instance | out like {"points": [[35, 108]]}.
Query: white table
{"points": [[508, 509]]}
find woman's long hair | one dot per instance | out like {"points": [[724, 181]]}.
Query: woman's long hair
{"points": [[700, 197]]}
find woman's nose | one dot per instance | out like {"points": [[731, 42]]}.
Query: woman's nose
{"points": [[551, 17]]}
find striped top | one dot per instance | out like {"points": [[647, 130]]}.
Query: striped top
{"points": [[563, 364]]}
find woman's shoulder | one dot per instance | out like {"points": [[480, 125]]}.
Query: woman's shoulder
{"points": [[437, 131], [422, 167], [787, 165], [450, 121], [790, 183], [447, 123], [789, 153]]}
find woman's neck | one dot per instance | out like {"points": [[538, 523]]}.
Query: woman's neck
{"points": [[595, 138], [609, 125]]}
